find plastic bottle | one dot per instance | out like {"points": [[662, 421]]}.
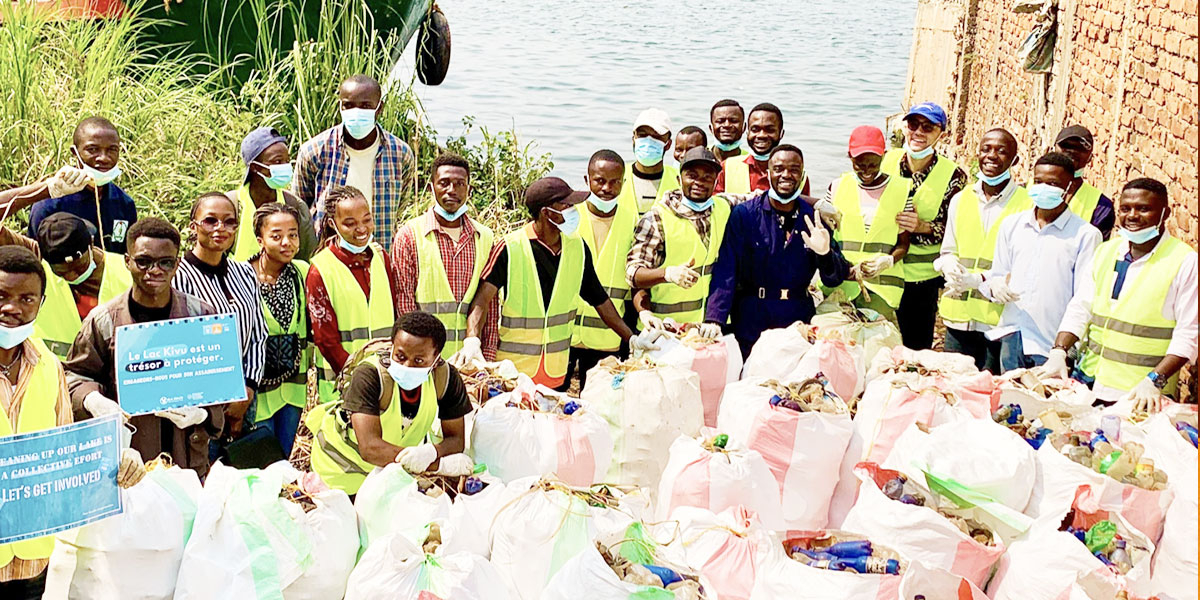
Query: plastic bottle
{"points": [[1002, 413], [1120, 557], [868, 564], [1188, 432], [472, 486], [913, 499], [894, 488], [667, 576], [1111, 426], [851, 549], [570, 407], [1100, 451], [720, 440], [1122, 466]]}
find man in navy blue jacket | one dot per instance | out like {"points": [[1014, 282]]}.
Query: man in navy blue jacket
{"points": [[773, 246]]}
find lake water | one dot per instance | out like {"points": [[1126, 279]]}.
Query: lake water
{"points": [[572, 75]]}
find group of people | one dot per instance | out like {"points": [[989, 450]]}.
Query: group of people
{"points": [[730, 241]]}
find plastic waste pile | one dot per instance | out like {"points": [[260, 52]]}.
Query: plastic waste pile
{"points": [[1127, 464], [841, 551]]}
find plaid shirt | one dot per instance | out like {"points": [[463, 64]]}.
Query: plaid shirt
{"points": [[958, 181], [649, 249], [458, 256], [322, 164]]}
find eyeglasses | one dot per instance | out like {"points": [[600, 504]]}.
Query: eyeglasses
{"points": [[145, 263], [213, 223], [925, 127]]}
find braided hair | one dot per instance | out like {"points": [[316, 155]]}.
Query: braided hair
{"points": [[329, 205], [265, 212]]}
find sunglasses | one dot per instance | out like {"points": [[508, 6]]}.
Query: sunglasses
{"points": [[213, 223], [145, 263], [925, 127]]}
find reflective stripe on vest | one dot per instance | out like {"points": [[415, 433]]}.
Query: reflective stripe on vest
{"points": [[737, 174], [359, 319], [535, 337], [609, 261], [918, 265], [58, 321], [628, 196], [335, 455], [683, 244], [433, 293], [293, 391], [859, 244], [245, 244], [976, 249], [1128, 337], [37, 414], [1085, 201]]}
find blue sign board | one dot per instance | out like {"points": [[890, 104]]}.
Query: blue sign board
{"points": [[195, 361], [59, 479]]}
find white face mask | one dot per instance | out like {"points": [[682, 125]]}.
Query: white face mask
{"points": [[11, 337], [86, 272]]}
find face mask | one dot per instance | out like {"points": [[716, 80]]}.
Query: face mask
{"points": [[728, 147], [87, 272], [280, 177], [450, 216], [997, 180], [11, 337], [351, 248], [783, 199], [1140, 236], [359, 122], [648, 151], [1046, 196], [760, 157], [603, 206], [1079, 173], [570, 222], [918, 154], [698, 206], [99, 177], [408, 378]]}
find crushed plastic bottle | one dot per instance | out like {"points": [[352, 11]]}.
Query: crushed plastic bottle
{"points": [[1188, 432], [473, 485], [570, 407], [852, 549], [720, 441]]}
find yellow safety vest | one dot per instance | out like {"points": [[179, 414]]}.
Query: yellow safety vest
{"points": [[1084, 202], [536, 338], [433, 293], [37, 414], [335, 455], [359, 319], [1128, 337], [683, 244], [976, 249], [918, 265], [737, 174], [609, 261], [58, 321], [245, 244], [294, 391], [628, 197], [859, 243]]}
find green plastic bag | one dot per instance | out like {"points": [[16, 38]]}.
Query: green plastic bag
{"points": [[1100, 536]]}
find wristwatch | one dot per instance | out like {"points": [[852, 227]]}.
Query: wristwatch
{"points": [[1157, 379]]}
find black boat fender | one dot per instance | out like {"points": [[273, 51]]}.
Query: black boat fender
{"points": [[433, 47]]}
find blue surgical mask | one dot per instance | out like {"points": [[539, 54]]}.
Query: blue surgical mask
{"points": [[918, 154], [11, 337], [698, 206], [760, 157], [359, 122], [280, 176], [87, 272], [783, 199], [450, 216], [1079, 173], [570, 222], [1140, 236], [1046, 196], [997, 180], [648, 151], [408, 378], [603, 206], [351, 248], [728, 147], [101, 177]]}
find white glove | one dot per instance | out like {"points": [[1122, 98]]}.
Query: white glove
{"points": [[100, 406], [131, 469], [1145, 396], [455, 465], [644, 342], [948, 265], [872, 267], [816, 238], [1055, 365], [709, 331], [471, 352], [829, 213], [649, 321], [184, 417], [1001, 292], [964, 281], [683, 276], [67, 181], [416, 459]]}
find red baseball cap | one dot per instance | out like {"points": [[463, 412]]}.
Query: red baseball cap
{"points": [[866, 138]]}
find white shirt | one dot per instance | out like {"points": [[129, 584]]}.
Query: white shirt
{"points": [[1047, 266], [1180, 306], [362, 169], [990, 210], [868, 197]]}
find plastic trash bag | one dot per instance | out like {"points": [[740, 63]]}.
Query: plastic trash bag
{"points": [[717, 364], [468, 527], [726, 547], [777, 352], [389, 502], [701, 475], [867, 329], [589, 572], [395, 567], [1037, 51], [840, 362]]}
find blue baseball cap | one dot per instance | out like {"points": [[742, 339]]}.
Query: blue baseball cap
{"points": [[256, 141], [930, 111]]}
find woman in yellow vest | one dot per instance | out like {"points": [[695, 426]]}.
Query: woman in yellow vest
{"points": [[35, 399], [282, 393], [1139, 321], [268, 175], [869, 200], [543, 269], [350, 286]]}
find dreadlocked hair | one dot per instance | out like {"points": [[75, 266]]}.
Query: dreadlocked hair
{"points": [[329, 205]]}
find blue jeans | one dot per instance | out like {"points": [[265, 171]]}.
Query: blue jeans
{"points": [[283, 424], [1012, 354]]}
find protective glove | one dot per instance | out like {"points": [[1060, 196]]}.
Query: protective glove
{"points": [[67, 181], [955, 289], [471, 352], [874, 266], [649, 321], [948, 265], [965, 281], [709, 331], [1146, 397], [644, 342], [131, 469], [456, 465], [829, 213], [816, 238], [1055, 365], [683, 276], [184, 417], [416, 459], [100, 406], [1001, 292]]}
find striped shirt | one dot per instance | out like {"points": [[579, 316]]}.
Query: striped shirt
{"points": [[323, 163], [231, 287], [649, 242]]}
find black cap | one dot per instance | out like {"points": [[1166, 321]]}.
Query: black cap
{"points": [[699, 154], [548, 190], [63, 237], [1075, 132]]}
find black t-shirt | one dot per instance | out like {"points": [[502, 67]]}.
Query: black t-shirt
{"points": [[364, 392], [590, 288], [148, 314]]}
